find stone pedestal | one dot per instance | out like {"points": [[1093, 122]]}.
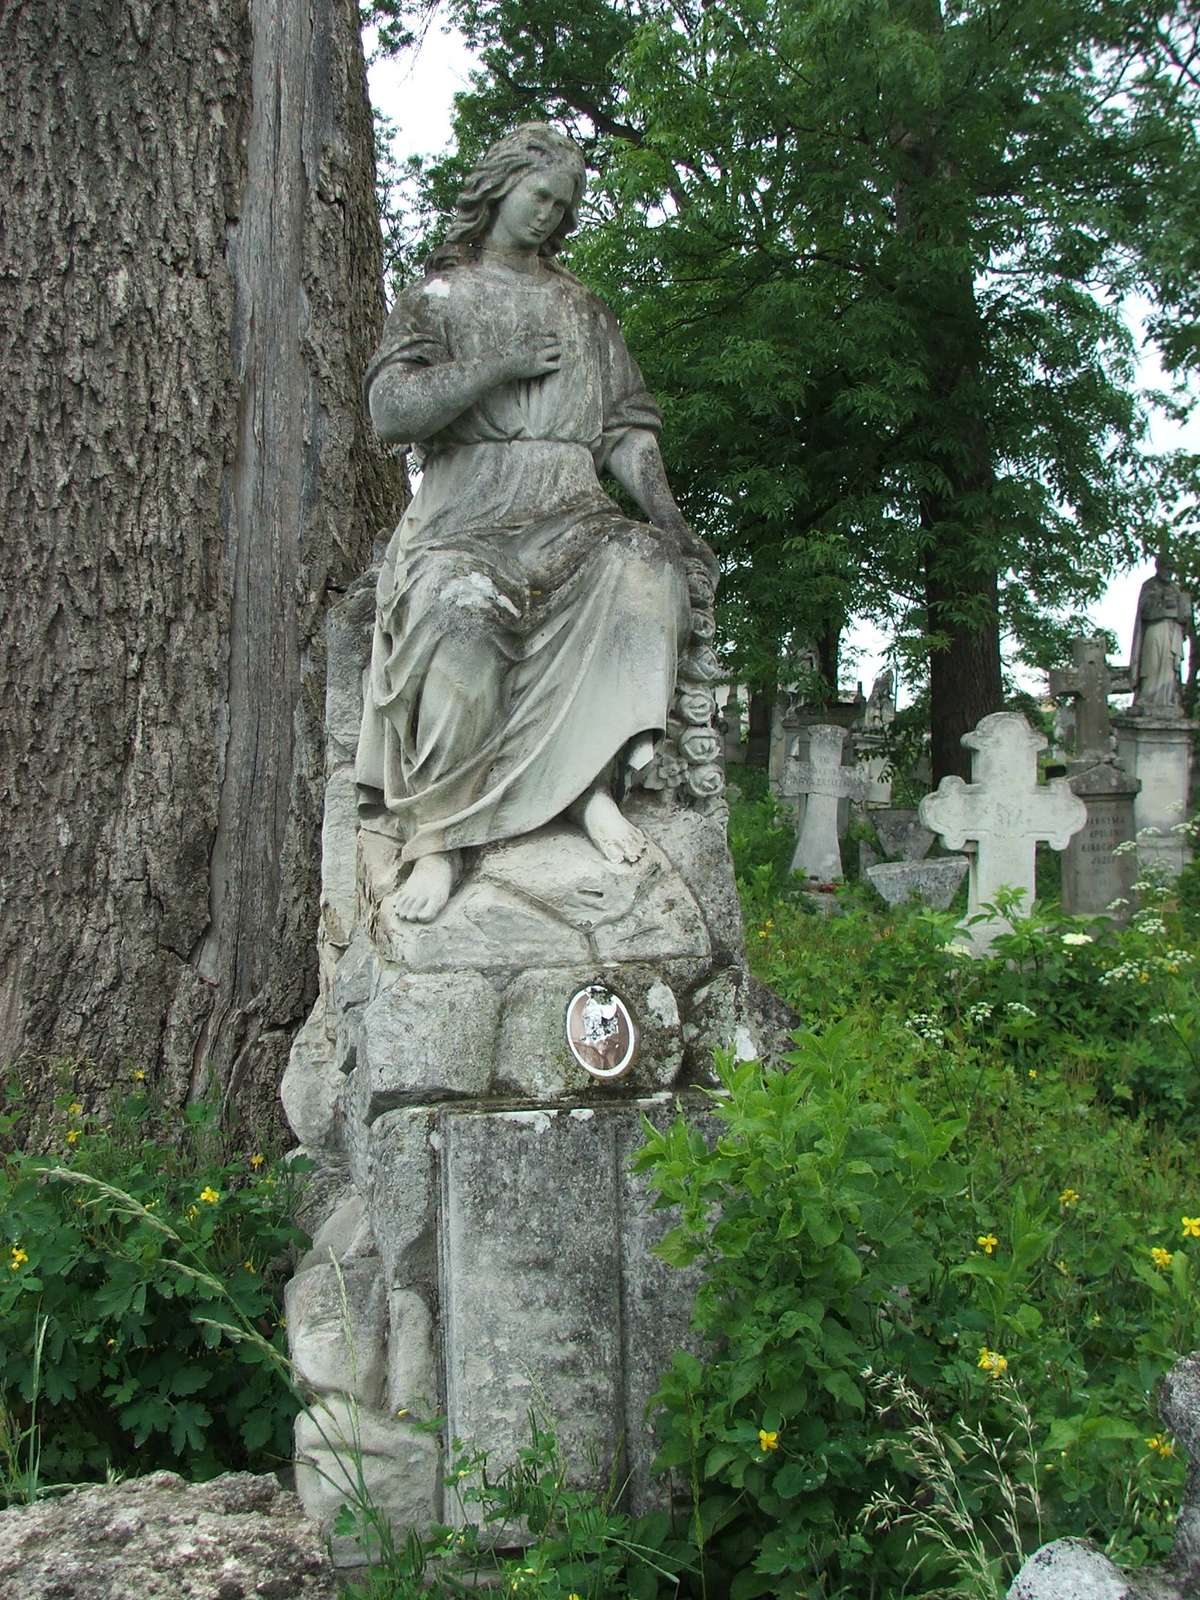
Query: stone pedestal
{"points": [[1093, 878], [1157, 752], [480, 1246]]}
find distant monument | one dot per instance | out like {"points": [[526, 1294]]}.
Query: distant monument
{"points": [[530, 932], [1164, 623], [1154, 738]]}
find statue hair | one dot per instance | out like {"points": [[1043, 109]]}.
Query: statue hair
{"points": [[526, 149]]}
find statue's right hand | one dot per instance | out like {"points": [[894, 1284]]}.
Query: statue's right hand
{"points": [[531, 357]]}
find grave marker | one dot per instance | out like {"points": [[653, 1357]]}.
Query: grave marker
{"points": [[1004, 812], [825, 782]]}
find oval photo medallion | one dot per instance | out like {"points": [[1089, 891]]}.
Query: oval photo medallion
{"points": [[600, 1032]]}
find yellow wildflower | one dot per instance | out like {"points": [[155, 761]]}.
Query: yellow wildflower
{"points": [[19, 1257], [192, 1213], [768, 1439], [72, 1135], [75, 1109], [256, 1161], [209, 1195], [992, 1362], [1191, 1227], [139, 1076], [1161, 1445], [1033, 1072], [249, 1266], [1161, 1257], [987, 1242], [1069, 1197]]}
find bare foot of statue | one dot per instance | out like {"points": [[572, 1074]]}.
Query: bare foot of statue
{"points": [[425, 892], [600, 818]]}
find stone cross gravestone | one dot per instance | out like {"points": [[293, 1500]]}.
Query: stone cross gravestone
{"points": [[1094, 878], [825, 782], [1089, 681], [1004, 812]]}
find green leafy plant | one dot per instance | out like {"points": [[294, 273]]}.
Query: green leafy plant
{"points": [[118, 1250], [525, 1531]]}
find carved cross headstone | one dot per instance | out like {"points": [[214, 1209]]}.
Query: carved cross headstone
{"points": [[1005, 812], [825, 782], [1089, 680]]}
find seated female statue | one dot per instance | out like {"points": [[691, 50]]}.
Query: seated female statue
{"points": [[527, 631]]}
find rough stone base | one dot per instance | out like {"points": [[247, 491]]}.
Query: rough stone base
{"points": [[482, 1249], [239, 1537]]}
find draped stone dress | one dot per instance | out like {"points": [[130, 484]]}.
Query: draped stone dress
{"points": [[510, 540]]}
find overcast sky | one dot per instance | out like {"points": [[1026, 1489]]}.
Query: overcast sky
{"points": [[417, 89]]}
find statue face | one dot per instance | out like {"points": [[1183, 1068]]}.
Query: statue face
{"points": [[531, 211]]}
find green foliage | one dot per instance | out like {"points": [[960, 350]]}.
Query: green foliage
{"points": [[872, 256], [574, 1542], [861, 1211], [976, 1184], [120, 1249]]}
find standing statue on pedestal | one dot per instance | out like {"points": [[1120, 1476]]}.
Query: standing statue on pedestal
{"points": [[527, 633], [1164, 622]]}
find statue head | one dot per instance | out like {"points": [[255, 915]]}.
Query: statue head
{"points": [[529, 148]]}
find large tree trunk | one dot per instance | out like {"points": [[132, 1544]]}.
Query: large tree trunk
{"points": [[190, 291], [964, 673]]}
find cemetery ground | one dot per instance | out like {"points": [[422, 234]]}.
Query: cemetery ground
{"points": [[948, 1255]]}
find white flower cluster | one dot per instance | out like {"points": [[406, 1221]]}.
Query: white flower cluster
{"points": [[926, 1026], [1020, 1009], [1163, 1019], [981, 1011], [1077, 938], [1181, 958], [1125, 972], [1149, 922], [957, 952]]}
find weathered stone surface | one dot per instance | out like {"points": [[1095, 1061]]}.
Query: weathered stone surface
{"points": [[239, 1537], [724, 1016], [424, 1037], [532, 1056], [933, 883], [398, 1181], [1070, 1569], [1157, 751], [340, 1443], [485, 926], [1093, 878], [550, 1297], [337, 1329], [901, 834], [348, 628], [1005, 812], [339, 856], [344, 1236], [312, 1083], [699, 851], [412, 1377], [531, 1279]]}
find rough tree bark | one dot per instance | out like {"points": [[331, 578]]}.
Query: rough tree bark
{"points": [[189, 292]]}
